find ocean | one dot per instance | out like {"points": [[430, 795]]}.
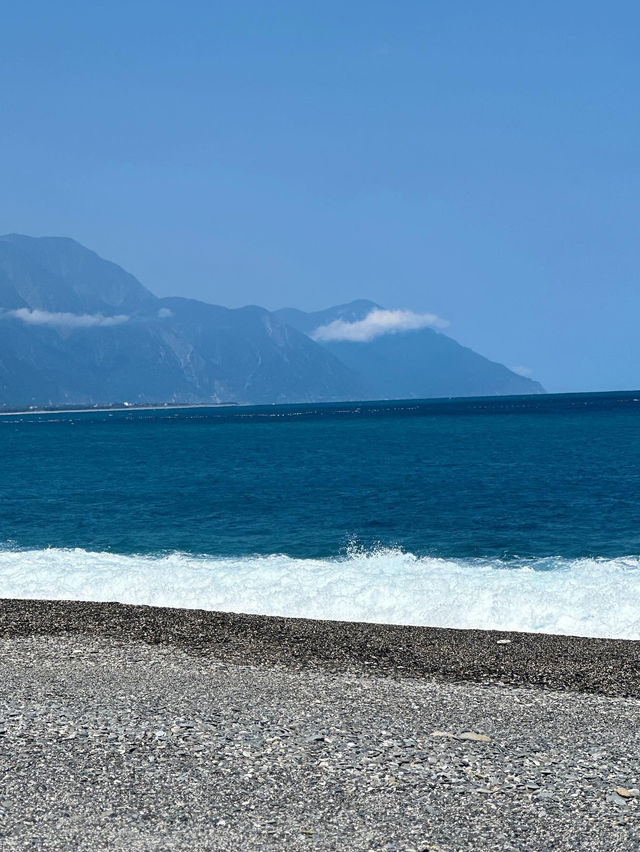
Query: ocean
{"points": [[509, 513]]}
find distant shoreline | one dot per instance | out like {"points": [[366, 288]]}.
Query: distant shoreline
{"points": [[105, 409], [453, 404]]}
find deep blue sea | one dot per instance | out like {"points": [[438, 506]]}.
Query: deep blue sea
{"points": [[514, 513]]}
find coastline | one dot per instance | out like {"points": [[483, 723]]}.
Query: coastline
{"points": [[568, 663], [113, 409], [515, 403]]}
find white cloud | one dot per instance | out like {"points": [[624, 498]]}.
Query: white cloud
{"points": [[522, 371], [375, 324], [164, 313], [64, 320]]}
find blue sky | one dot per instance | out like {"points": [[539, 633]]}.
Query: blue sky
{"points": [[480, 161]]}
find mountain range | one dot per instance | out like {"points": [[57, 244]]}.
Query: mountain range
{"points": [[76, 329]]}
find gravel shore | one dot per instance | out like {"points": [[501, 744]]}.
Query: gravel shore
{"points": [[138, 728]]}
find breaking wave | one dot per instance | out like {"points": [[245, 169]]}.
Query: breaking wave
{"points": [[583, 597]]}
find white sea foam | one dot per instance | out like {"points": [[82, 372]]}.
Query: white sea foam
{"points": [[584, 597]]}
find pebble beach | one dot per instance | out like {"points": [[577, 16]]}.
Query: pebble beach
{"points": [[127, 727]]}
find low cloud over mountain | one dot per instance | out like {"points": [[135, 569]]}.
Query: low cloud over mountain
{"points": [[376, 323], [63, 319]]}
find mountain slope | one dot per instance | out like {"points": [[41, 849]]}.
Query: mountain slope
{"points": [[412, 364], [76, 329], [59, 274], [250, 355]]}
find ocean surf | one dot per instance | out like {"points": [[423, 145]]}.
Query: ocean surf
{"points": [[581, 597]]}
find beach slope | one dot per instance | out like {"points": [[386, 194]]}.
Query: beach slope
{"points": [[139, 728]]}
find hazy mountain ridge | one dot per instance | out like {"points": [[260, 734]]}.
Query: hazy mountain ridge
{"points": [[309, 321], [77, 329], [415, 364]]}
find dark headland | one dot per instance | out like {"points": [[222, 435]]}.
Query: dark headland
{"points": [[126, 727]]}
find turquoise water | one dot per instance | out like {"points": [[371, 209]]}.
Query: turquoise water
{"points": [[536, 484]]}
